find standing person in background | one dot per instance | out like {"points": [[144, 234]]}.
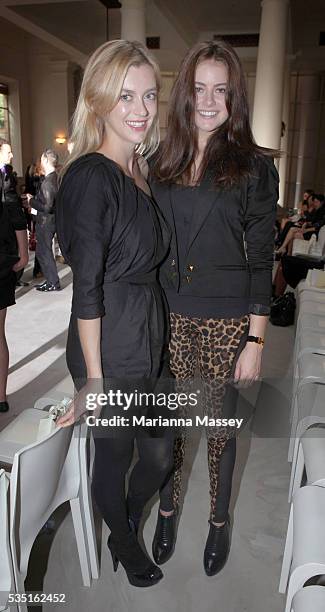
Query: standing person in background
{"points": [[44, 203], [33, 178], [13, 244], [219, 191]]}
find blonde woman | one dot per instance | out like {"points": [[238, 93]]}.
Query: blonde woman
{"points": [[113, 236]]}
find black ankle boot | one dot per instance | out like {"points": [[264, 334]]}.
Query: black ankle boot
{"points": [[140, 570], [217, 548], [164, 540]]}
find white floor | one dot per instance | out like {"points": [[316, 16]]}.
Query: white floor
{"points": [[36, 331]]}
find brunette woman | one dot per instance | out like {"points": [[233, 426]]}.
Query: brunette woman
{"points": [[113, 236], [219, 191]]}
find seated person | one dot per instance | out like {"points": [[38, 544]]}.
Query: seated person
{"points": [[315, 218]]}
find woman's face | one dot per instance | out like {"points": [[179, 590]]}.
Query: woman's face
{"points": [[5, 154], [211, 79], [136, 109]]}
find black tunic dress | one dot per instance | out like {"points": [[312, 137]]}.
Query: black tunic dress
{"points": [[114, 237]]}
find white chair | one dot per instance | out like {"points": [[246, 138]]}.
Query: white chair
{"points": [[23, 430], [311, 456], [6, 573], [309, 341], [304, 553], [51, 399], [309, 369], [309, 599], [45, 475], [312, 307], [311, 296], [310, 321]]}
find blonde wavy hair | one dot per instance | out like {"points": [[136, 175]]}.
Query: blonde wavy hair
{"points": [[100, 92]]}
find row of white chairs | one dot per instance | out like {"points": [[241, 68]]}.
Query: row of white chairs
{"points": [[304, 553], [44, 474]]}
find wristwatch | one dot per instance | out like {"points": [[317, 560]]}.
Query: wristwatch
{"points": [[256, 339]]}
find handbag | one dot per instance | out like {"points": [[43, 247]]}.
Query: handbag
{"points": [[283, 310], [7, 257]]}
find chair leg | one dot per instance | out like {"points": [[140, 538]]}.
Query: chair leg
{"points": [[81, 539], [300, 464], [297, 468], [293, 428], [287, 555], [87, 508]]}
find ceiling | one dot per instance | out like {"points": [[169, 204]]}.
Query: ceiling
{"points": [[80, 25]]}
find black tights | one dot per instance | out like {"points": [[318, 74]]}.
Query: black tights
{"points": [[112, 460], [226, 464]]}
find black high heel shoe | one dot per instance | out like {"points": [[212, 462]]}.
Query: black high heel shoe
{"points": [[164, 540], [217, 548], [139, 568]]}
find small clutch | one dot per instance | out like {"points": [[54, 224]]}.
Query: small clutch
{"points": [[47, 425]]}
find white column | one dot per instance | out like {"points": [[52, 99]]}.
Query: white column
{"points": [[133, 20], [267, 114], [285, 138]]}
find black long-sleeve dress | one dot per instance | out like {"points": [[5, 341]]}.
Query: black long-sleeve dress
{"points": [[114, 237]]}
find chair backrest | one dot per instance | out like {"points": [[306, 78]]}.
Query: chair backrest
{"points": [[44, 475], [6, 575]]}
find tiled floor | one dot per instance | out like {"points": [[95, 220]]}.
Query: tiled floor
{"points": [[36, 330]]}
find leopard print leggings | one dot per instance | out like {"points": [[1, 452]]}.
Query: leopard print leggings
{"points": [[209, 345]]}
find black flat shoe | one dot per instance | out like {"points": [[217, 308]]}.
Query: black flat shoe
{"points": [[164, 540], [4, 406], [217, 548], [139, 568]]}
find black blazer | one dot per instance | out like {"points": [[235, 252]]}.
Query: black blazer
{"points": [[230, 243], [44, 201]]}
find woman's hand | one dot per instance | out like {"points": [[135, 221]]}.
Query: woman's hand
{"points": [[248, 366], [21, 263], [79, 405]]}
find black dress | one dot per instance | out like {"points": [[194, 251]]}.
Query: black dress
{"points": [[114, 237]]}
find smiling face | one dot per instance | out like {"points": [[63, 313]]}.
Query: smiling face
{"points": [[211, 79], [133, 115]]}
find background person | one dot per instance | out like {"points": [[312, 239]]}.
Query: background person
{"points": [[44, 203], [13, 243]]}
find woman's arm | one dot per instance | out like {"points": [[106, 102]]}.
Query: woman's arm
{"points": [[248, 366], [259, 234], [89, 335]]}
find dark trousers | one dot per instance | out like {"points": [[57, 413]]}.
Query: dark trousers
{"points": [[296, 268], [44, 236]]}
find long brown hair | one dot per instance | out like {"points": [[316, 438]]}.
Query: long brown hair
{"points": [[231, 150]]}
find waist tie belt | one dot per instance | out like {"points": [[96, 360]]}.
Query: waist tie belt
{"points": [[148, 278]]}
